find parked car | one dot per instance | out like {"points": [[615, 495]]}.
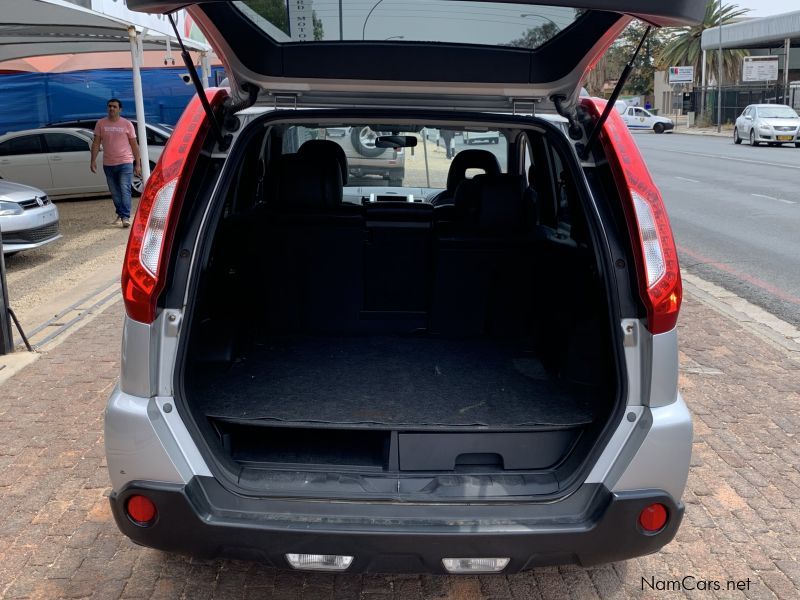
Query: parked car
{"points": [[474, 137], [641, 118], [56, 160], [27, 218], [773, 124], [157, 136], [374, 383]]}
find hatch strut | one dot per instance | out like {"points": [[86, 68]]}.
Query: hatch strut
{"points": [[187, 60], [613, 99]]}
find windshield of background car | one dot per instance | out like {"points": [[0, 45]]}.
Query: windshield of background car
{"points": [[776, 112], [487, 23], [425, 165]]}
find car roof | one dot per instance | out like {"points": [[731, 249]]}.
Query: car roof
{"points": [[12, 134]]}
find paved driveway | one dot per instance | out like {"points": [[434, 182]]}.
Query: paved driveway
{"points": [[58, 539]]}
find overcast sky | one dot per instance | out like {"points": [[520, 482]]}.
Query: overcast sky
{"points": [[766, 8]]}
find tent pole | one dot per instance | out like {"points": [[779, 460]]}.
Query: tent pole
{"points": [[136, 55]]}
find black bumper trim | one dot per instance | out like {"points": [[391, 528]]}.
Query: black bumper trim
{"points": [[205, 520]]}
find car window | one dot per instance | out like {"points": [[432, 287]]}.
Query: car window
{"points": [[777, 112], [65, 142], [425, 165], [24, 144]]}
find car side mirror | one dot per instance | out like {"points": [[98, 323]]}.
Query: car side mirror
{"points": [[749, 118]]}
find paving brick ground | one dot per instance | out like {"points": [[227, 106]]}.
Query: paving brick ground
{"points": [[58, 539]]}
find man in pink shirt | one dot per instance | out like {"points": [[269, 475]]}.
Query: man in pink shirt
{"points": [[120, 158]]}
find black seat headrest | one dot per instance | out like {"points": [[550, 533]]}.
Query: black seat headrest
{"points": [[299, 183], [319, 150], [470, 159], [502, 204]]}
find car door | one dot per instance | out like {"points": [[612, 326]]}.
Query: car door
{"points": [[23, 160], [69, 156], [745, 122]]}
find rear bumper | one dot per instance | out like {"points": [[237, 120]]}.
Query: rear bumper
{"points": [[205, 520]]}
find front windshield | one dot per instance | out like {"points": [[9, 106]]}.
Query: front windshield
{"points": [[488, 23], [426, 165], [777, 112]]}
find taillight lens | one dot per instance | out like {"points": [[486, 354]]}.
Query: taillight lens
{"points": [[143, 272], [656, 256]]}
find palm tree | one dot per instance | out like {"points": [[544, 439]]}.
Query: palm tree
{"points": [[684, 49]]}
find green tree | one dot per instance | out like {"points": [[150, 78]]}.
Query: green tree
{"points": [[275, 12], [684, 47], [536, 36]]}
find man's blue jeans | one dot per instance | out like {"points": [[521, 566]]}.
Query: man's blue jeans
{"points": [[119, 179]]}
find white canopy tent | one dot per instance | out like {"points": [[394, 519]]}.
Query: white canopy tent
{"points": [[49, 27]]}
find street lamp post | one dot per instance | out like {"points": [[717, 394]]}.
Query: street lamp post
{"points": [[719, 73], [523, 15], [369, 14]]}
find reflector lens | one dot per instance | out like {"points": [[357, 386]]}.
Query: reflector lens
{"points": [[319, 562], [475, 565], [653, 518], [141, 510]]}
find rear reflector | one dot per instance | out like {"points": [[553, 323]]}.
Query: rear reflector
{"points": [[653, 518], [319, 562], [141, 510], [655, 254], [143, 272], [475, 565]]}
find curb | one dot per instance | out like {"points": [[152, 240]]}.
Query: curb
{"points": [[755, 319]]}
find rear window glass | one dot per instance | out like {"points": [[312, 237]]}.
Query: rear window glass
{"points": [[425, 165], [485, 23]]}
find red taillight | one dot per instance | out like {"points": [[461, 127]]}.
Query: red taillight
{"points": [[653, 518], [656, 256], [141, 510], [143, 272]]}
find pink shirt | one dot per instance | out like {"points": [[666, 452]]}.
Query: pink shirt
{"points": [[114, 136]]}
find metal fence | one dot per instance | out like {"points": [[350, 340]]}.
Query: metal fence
{"points": [[703, 101]]}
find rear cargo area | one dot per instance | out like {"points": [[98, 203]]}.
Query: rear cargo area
{"points": [[397, 349]]}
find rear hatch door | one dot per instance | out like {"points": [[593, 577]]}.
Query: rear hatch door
{"points": [[466, 54]]}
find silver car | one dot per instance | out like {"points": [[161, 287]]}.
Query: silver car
{"points": [[773, 124], [27, 217], [476, 374]]}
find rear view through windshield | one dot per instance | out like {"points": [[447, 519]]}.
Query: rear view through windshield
{"points": [[486, 23]]}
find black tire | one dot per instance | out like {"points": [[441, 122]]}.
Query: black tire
{"points": [[797, 145], [658, 128], [136, 183], [753, 141], [363, 140], [736, 138]]}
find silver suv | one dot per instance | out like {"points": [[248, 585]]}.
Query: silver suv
{"points": [[468, 373]]}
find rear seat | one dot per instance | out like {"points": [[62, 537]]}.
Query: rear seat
{"points": [[308, 249], [483, 282]]}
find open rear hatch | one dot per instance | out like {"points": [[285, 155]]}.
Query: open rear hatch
{"points": [[470, 54]]}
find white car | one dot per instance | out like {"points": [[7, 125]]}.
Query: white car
{"points": [[640, 118], [27, 218], [474, 137], [56, 160], [773, 124]]}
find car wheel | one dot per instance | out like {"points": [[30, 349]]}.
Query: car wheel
{"points": [[753, 141], [797, 145], [736, 138], [658, 128], [363, 140], [137, 185]]}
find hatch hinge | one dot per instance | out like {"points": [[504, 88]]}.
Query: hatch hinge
{"points": [[584, 153], [524, 106], [223, 141], [285, 101]]}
